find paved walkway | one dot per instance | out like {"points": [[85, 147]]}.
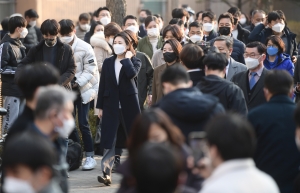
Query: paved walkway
{"points": [[86, 181]]}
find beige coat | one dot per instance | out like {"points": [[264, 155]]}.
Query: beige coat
{"points": [[101, 48], [158, 58]]}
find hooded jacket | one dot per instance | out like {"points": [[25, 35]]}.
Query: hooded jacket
{"points": [[101, 48], [283, 63], [189, 109], [229, 94], [12, 51]]}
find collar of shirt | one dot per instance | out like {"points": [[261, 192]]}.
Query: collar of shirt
{"points": [[194, 70], [259, 72], [37, 130]]}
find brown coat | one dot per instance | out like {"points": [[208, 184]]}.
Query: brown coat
{"points": [[157, 91]]}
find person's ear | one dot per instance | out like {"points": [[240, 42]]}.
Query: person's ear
{"points": [[266, 93], [230, 51], [190, 84], [291, 93], [74, 31]]}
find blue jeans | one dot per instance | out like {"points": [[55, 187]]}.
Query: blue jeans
{"points": [[83, 114]]}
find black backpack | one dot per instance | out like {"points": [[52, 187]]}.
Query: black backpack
{"points": [[74, 155]]}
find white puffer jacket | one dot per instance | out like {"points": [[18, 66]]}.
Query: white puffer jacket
{"points": [[87, 74], [101, 48]]}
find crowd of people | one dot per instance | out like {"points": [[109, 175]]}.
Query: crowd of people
{"points": [[166, 91]]}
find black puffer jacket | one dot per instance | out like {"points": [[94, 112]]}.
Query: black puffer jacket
{"points": [[65, 62], [11, 51], [33, 37]]}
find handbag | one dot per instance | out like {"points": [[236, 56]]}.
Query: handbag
{"points": [[97, 139]]}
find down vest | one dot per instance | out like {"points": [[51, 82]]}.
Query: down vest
{"points": [[101, 48], [87, 74]]}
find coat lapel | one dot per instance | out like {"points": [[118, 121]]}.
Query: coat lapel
{"points": [[111, 69], [259, 85], [244, 85], [231, 70]]}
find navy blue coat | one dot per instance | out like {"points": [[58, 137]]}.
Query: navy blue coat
{"points": [[110, 94], [276, 151]]}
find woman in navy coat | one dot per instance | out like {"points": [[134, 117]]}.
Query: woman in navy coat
{"points": [[117, 102]]}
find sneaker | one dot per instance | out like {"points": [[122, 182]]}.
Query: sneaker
{"points": [[89, 164], [105, 180]]}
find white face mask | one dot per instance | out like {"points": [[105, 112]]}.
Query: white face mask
{"points": [[191, 19], [160, 25], [14, 185], [24, 33], [85, 27], [297, 142], [111, 41], [196, 38], [243, 20], [32, 23], [133, 28], [153, 32], [100, 33], [119, 49], [67, 127], [256, 24], [251, 63], [208, 27], [278, 27], [105, 20], [66, 39]]}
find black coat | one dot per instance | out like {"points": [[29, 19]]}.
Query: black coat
{"points": [[238, 50], [9, 49], [212, 35], [145, 78], [260, 33], [110, 94], [243, 34], [250, 28], [32, 39], [87, 37], [242, 80], [189, 109], [65, 62], [142, 31], [196, 76], [230, 95], [276, 151], [297, 77]]}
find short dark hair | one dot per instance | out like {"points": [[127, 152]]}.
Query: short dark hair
{"points": [[176, 46], [15, 22], [175, 75], [159, 16], [147, 11], [278, 42], [93, 26], [112, 29], [261, 48], [35, 152], [101, 9], [236, 12], [4, 24], [50, 26], [278, 82], [297, 115], [147, 164], [66, 26], [179, 13], [35, 75], [84, 16], [196, 24], [273, 16], [210, 15], [128, 17], [215, 61], [176, 21], [237, 140], [176, 32], [31, 13], [228, 40], [191, 56], [128, 40], [149, 19], [281, 14], [226, 15], [198, 13]]}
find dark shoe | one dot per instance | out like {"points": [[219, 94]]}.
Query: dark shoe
{"points": [[116, 164], [105, 180]]}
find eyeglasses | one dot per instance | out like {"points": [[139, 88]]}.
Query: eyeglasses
{"points": [[251, 55], [104, 15]]}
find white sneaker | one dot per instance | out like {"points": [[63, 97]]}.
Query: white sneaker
{"points": [[89, 164]]}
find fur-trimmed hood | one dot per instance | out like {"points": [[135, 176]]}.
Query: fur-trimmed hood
{"points": [[98, 40]]}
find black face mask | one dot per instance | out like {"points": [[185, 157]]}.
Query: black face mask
{"points": [[142, 19], [170, 56], [50, 42], [225, 31]]}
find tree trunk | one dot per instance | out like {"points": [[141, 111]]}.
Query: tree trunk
{"points": [[117, 9]]}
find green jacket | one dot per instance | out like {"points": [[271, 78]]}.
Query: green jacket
{"points": [[146, 47]]}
